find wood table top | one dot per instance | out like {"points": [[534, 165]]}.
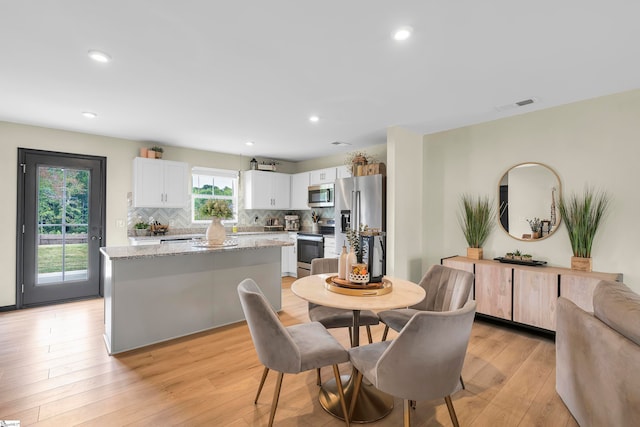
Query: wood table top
{"points": [[313, 289]]}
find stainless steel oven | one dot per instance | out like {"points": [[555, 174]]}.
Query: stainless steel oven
{"points": [[310, 246], [321, 196]]}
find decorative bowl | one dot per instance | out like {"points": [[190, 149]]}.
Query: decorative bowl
{"points": [[359, 273], [359, 278]]}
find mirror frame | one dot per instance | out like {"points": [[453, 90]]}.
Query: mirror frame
{"points": [[558, 195]]}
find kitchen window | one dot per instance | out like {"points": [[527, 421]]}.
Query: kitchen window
{"points": [[213, 184]]}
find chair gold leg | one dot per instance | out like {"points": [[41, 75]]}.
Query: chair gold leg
{"points": [[318, 380], [264, 377], [343, 403], [369, 334], [276, 396], [407, 413], [356, 391], [462, 382], [452, 412], [384, 334]]}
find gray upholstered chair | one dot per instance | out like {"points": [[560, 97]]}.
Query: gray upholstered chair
{"points": [[291, 349], [424, 362], [447, 289], [331, 317]]}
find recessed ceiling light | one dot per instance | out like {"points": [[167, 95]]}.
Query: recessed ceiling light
{"points": [[314, 119], [89, 114], [402, 33], [249, 143], [98, 56]]}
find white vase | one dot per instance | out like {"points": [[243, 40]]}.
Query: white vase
{"points": [[216, 233]]}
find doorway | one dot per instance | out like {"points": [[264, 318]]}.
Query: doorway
{"points": [[60, 226]]}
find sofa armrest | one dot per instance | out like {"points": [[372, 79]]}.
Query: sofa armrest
{"points": [[597, 369]]}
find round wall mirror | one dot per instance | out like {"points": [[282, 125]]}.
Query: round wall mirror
{"points": [[528, 196]]}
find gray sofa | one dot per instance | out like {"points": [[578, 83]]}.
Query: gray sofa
{"points": [[598, 357]]}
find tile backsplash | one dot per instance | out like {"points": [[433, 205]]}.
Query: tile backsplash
{"points": [[179, 220]]}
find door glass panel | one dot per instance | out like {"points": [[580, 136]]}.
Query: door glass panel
{"points": [[63, 216]]}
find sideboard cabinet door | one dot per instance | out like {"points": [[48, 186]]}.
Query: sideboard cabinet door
{"points": [[535, 295], [494, 290]]}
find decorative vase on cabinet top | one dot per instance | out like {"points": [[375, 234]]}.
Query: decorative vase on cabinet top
{"points": [[216, 233]]}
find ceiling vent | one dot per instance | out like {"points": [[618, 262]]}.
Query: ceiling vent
{"points": [[339, 143], [517, 104]]}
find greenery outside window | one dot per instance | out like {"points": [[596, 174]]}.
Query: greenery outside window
{"points": [[216, 184]]}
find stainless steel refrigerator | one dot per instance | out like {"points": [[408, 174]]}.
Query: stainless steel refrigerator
{"points": [[361, 200]]}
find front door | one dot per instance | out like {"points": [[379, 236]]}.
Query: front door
{"points": [[61, 207]]}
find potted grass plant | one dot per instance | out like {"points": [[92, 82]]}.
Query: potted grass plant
{"points": [[477, 219], [582, 215]]}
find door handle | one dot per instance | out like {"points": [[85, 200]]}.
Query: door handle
{"points": [[96, 237]]}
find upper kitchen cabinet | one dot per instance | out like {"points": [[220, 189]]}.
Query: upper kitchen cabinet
{"points": [[344, 172], [299, 191], [266, 190], [322, 176], [160, 183]]}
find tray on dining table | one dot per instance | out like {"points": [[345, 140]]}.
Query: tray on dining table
{"points": [[344, 287]]}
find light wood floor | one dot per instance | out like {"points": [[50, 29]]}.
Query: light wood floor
{"points": [[54, 371]]}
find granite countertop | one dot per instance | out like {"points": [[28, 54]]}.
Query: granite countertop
{"points": [[241, 243], [201, 235]]}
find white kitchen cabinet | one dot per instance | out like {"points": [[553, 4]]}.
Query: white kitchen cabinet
{"points": [[322, 176], [290, 257], [299, 191], [266, 190], [344, 172], [160, 183]]}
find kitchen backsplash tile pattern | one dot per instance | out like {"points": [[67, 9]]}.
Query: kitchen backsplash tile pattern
{"points": [[180, 219]]}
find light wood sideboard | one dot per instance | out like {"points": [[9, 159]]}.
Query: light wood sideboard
{"points": [[527, 295]]}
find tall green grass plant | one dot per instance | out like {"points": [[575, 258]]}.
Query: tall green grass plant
{"points": [[582, 216], [477, 219]]}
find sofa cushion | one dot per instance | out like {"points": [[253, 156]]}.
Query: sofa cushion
{"points": [[619, 308]]}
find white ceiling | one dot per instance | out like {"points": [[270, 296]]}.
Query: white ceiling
{"points": [[213, 75]]}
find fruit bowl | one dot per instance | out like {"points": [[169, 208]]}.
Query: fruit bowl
{"points": [[359, 273], [359, 278]]}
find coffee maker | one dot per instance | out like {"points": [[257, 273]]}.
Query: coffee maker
{"points": [[291, 222]]}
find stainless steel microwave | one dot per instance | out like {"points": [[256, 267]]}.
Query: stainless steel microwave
{"points": [[321, 196]]}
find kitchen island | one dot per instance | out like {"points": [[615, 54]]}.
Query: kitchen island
{"points": [[155, 293]]}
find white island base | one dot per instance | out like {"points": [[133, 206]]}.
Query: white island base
{"points": [[150, 299]]}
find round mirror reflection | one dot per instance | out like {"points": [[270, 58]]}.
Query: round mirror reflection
{"points": [[527, 201]]}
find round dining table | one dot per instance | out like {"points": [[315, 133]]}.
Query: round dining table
{"points": [[372, 403]]}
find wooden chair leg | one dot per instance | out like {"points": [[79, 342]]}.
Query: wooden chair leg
{"points": [[343, 402], [384, 334], [462, 382], [369, 334], [276, 396], [264, 377], [356, 392], [318, 380], [452, 412], [407, 413]]}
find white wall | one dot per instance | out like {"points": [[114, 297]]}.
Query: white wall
{"points": [[405, 219], [593, 142]]}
